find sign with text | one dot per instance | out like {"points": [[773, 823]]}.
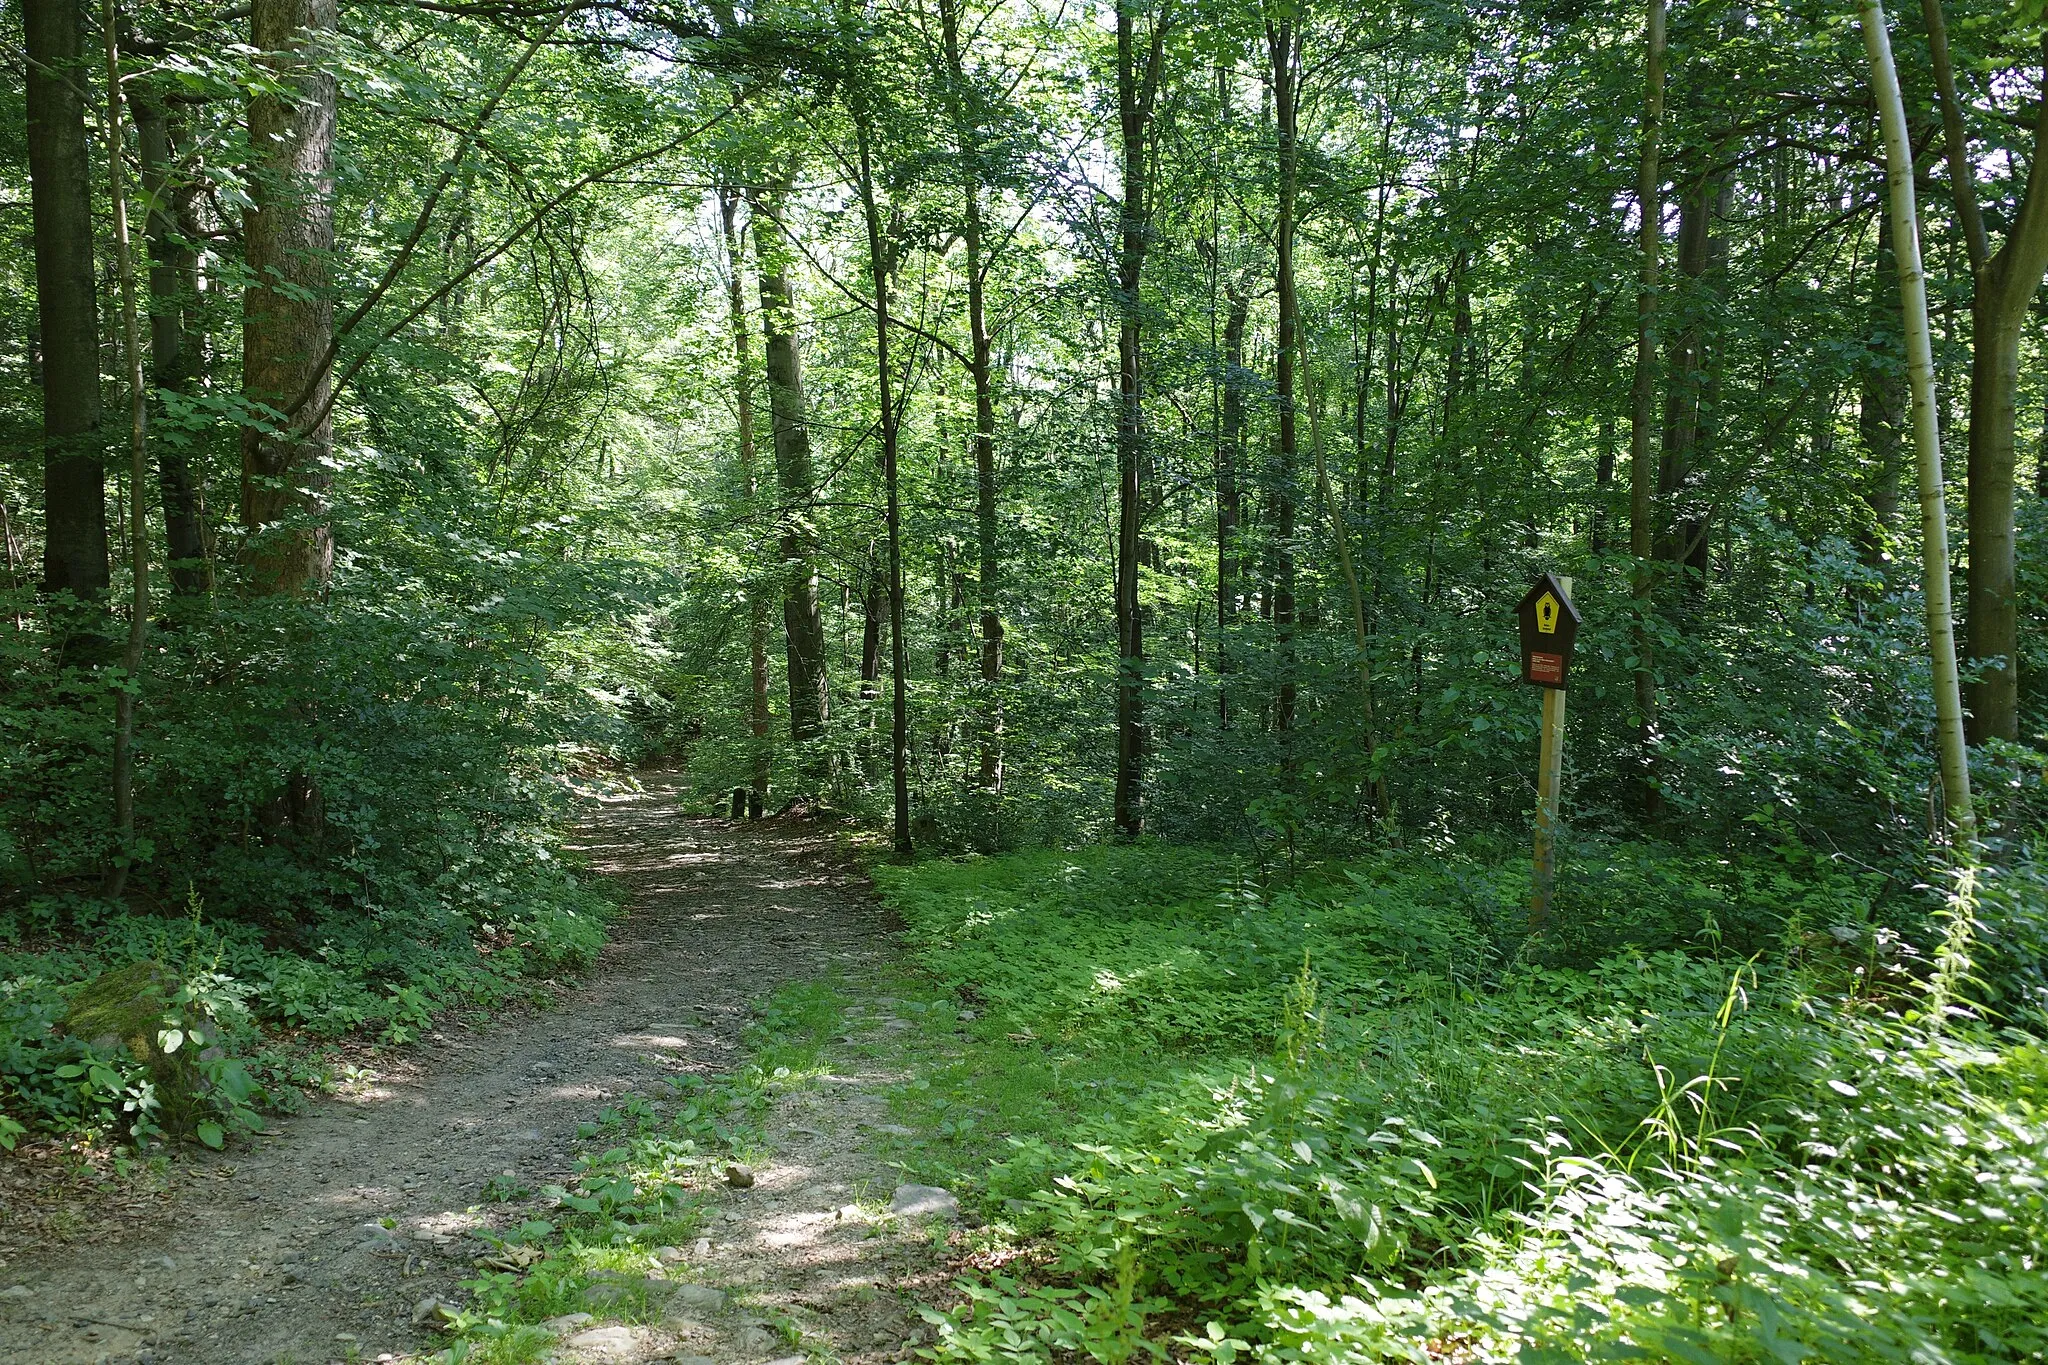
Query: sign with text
{"points": [[1550, 624]]}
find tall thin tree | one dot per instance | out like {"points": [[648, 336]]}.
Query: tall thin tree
{"points": [[1138, 75], [743, 411], [1283, 49], [126, 698], [880, 266], [1642, 459], [961, 109], [174, 326], [1941, 641]]}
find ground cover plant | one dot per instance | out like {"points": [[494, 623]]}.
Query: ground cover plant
{"points": [[650, 1165], [1110, 440], [1325, 1122]]}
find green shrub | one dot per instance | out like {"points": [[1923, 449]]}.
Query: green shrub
{"points": [[1355, 1120]]}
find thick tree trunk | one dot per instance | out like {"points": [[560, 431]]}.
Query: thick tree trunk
{"points": [[60, 193], [1137, 88], [173, 333], [1992, 699], [1642, 465], [743, 409], [2005, 285], [288, 332], [288, 309], [803, 622]]}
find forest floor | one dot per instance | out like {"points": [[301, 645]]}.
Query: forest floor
{"points": [[320, 1240]]}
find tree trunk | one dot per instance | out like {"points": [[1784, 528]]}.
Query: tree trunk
{"points": [[1954, 756], [1677, 538], [899, 668], [2041, 456], [1993, 604], [60, 192], [1603, 484], [1283, 45], [988, 586], [1229, 496], [1340, 532], [288, 309], [743, 408], [1642, 468], [173, 332], [871, 629], [288, 332], [138, 463], [1455, 380], [1880, 408], [1137, 88], [803, 622], [2005, 285]]}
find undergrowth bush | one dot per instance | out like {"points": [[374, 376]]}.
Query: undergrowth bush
{"points": [[1352, 1119], [438, 698]]}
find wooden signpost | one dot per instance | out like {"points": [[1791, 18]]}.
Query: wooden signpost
{"points": [[1550, 626]]}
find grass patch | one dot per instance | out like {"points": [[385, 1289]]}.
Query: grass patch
{"points": [[608, 1242], [1346, 1120]]}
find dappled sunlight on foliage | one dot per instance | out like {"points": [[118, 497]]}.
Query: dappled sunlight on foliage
{"points": [[1689, 1155]]}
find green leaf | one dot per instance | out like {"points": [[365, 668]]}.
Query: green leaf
{"points": [[212, 1136]]}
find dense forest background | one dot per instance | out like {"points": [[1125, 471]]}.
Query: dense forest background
{"points": [[1015, 425], [574, 441]]}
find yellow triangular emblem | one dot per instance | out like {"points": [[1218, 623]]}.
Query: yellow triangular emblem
{"points": [[1546, 614]]}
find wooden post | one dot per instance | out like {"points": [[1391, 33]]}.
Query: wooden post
{"points": [[1549, 772]]}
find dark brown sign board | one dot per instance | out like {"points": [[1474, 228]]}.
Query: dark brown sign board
{"points": [[1550, 625]]}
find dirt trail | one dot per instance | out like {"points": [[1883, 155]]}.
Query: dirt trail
{"points": [[268, 1254]]}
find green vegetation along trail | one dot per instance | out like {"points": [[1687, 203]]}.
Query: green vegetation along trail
{"points": [[318, 1242]]}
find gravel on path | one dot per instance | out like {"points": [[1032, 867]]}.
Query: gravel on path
{"points": [[316, 1242]]}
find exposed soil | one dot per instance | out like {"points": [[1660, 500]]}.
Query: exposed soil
{"points": [[274, 1253]]}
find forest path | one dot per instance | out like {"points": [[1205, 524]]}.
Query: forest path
{"points": [[272, 1253]]}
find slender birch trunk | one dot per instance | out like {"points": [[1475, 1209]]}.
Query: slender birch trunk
{"points": [[1941, 640]]}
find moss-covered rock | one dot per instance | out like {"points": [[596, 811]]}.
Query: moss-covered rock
{"points": [[129, 1009]]}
